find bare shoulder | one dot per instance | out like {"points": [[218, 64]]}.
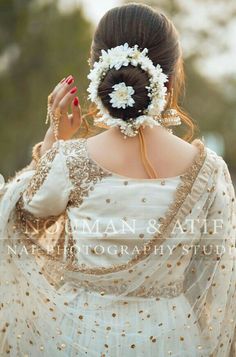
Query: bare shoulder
{"points": [[182, 149], [177, 155]]}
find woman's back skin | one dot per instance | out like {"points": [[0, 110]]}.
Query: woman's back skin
{"points": [[169, 155]]}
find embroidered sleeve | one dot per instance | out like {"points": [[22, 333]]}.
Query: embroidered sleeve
{"points": [[42, 171], [48, 191], [83, 172]]}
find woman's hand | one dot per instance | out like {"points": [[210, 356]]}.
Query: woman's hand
{"points": [[63, 95]]}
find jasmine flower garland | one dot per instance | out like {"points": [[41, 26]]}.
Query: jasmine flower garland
{"points": [[121, 97]]}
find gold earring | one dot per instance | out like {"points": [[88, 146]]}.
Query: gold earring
{"points": [[170, 116]]}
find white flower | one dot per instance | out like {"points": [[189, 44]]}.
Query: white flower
{"points": [[121, 97], [118, 56], [137, 56], [146, 120]]}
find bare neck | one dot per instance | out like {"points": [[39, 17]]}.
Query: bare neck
{"points": [[157, 133]]}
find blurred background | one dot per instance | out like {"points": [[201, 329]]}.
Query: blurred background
{"points": [[42, 41]]}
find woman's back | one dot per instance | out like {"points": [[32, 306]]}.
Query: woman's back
{"points": [[105, 207], [116, 247]]}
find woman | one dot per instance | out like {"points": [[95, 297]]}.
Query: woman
{"points": [[118, 247]]}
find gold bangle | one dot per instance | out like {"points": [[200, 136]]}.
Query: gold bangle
{"points": [[36, 151]]}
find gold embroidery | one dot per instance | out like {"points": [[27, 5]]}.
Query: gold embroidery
{"points": [[27, 222], [52, 248], [187, 180], [49, 250], [167, 290], [182, 191], [83, 173], [42, 169], [70, 242], [45, 232]]}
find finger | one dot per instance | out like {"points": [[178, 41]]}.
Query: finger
{"points": [[76, 113], [60, 84], [58, 87], [65, 83], [62, 91], [65, 79], [66, 100], [51, 96]]}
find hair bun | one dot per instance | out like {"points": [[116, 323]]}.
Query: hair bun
{"points": [[131, 76]]}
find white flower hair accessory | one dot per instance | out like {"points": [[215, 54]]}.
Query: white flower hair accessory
{"points": [[121, 97]]}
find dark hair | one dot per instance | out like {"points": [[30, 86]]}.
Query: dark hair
{"points": [[139, 24]]}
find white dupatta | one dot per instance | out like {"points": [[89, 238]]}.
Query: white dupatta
{"points": [[38, 291]]}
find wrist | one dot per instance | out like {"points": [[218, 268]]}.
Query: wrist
{"points": [[49, 136], [48, 141]]}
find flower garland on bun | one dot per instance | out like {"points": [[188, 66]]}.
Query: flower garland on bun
{"points": [[121, 96]]}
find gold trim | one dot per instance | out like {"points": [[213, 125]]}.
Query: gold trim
{"points": [[82, 173], [182, 191], [184, 188], [34, 229]]}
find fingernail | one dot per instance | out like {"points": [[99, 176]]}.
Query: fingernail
{"points": [[73, 90], [70, 80], [76, 101]]}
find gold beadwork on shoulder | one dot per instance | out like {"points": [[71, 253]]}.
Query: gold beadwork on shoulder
{"points": [[83, 173]]}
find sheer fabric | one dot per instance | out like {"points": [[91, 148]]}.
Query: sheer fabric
{"points": [[97, 264]]}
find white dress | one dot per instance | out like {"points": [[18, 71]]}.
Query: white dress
{"points": [[97, 264]]}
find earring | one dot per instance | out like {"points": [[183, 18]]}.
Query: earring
{"points": [[170, 116]]}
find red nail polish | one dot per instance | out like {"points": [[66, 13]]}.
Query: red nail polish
{"points": [[70, 80], [76, 101], [73, 90]]}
